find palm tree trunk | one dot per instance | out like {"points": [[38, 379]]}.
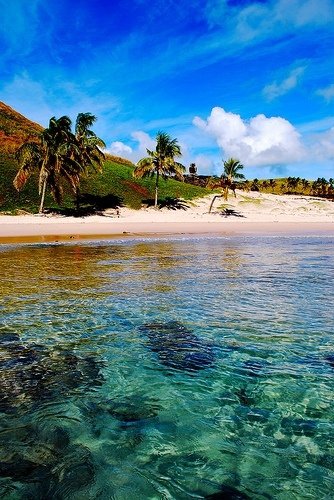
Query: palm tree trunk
{"points": [[213, 199], [156, 190], [41, 206], [77, 198]]}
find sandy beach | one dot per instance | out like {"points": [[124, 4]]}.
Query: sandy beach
{"points": [[248, 213]]}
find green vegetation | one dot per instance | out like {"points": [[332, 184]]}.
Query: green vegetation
{"points": [[59, 155], [161, 162], [113, 182], [247, 200], [114, 185], [229, 178], [292, 185], [231, 174], [118, 180]]}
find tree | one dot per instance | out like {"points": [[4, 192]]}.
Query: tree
{"points": [[86, 149], [229, 178], [272, 184], [161, 162], [50, 156], [292, 182], [305, 184], [58, 154], [255, 185], [231, 173]]}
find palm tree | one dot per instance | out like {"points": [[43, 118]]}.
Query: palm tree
{"points": [[305, 184], [231, 173], [161, 161], [58, 155], [272, 184], [228, 179], [86, 150], [292, 182], [50, 157]]}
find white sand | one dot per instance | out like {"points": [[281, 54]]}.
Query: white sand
{"points": [[254, 213]]}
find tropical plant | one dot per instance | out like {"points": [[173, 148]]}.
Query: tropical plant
{"points": [[58, 154], [305, 184], [255, 186], [272, 183], [161, 162], [50, 157], [292, 182], [319, 187], [228, 179], [86, 150], [231, 174]]}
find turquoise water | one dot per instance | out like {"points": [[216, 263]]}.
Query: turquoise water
{"points": [[167, 369]]}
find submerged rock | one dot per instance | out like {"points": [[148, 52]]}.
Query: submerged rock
{"points": [[20, 469], [227, 493], [133, 410], [299, 427], [7, 336], [32, 373], [330, 359], [177, 347], [72, 473]]}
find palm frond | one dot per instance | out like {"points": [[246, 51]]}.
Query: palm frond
{"points": [[144, 167], [29, 156]]}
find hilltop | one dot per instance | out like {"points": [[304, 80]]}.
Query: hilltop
{"points": [[15, 129]]}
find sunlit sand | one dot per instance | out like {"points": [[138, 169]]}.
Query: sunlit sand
{"points": [[248, 213]]}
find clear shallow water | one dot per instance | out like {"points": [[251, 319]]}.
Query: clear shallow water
{"points": [[228, 387]]}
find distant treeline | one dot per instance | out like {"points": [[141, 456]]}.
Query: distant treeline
{"points": [[290, 185]]}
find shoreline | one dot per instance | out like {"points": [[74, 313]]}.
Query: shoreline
{"points": [[88, 231], [251, 214]]}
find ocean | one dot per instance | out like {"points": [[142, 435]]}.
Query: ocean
{"points": [[168, 368]]}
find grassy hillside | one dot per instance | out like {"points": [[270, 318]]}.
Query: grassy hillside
{"points": [[117, 180], [114, 186]]}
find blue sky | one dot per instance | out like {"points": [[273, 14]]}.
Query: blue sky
{"points": [[242, 78]]}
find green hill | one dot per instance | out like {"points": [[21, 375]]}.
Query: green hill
{"points": [[114, 186]]}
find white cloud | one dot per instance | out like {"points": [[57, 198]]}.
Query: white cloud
{"points": [[262, 20], [277, 89], [118, 148], [323, 145], [144, 142], [206, 165], [134, 152], [259, 141], [327, 92]]}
